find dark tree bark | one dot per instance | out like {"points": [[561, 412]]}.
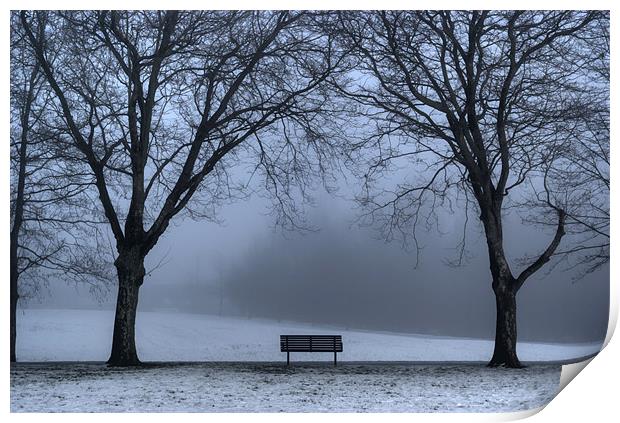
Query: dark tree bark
{"points": [[505, 349], [14, 299], [505, 289], [130, 268]]}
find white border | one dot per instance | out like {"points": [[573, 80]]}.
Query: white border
{"points": [[594, 393]]}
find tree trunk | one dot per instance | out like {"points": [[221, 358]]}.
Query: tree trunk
{"points": [[130, 269], [505, 289], [505, 353], [14, 299], [18, 216]]}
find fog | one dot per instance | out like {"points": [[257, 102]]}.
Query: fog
{"points": [[344, 275]]}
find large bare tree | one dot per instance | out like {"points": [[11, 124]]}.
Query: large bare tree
{"points": [[473, 104], [51, 231], [162, 106]]}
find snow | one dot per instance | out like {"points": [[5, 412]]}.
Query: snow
{"points": [[264, 387], [202, 363], [85, 335]]}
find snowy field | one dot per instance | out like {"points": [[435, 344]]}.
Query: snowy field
{"points": [[217, 364], [80, 335], [262, 387]]}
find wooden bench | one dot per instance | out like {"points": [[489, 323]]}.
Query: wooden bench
{"points": [[310, 343]]}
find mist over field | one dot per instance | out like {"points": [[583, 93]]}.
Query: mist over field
{"points": [[345, 275]]}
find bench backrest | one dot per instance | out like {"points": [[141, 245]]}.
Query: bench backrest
{"points": [[311, 343]]}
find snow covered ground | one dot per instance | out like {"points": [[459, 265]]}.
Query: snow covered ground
{"points": [[85, 335], [262, 387], [217, 364]]}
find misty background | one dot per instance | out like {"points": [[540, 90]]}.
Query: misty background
{"points": [[345, 276]]}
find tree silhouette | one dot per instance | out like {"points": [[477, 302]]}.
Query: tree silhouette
{"points": [[472, 103], [162, 105]]}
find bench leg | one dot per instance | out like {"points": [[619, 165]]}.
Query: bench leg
{"points": [[335, 362], [288, 358]]}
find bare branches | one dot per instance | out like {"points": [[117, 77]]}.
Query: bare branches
{"points": [[50, 207], [479, 96], [38, 42], [162, 104], [547, 254]]}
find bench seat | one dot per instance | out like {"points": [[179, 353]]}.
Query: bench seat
{"points": [[310, 343]]}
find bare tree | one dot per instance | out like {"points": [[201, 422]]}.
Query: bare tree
{"points": [[163, 105], [50, 229], [469, 101]]}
